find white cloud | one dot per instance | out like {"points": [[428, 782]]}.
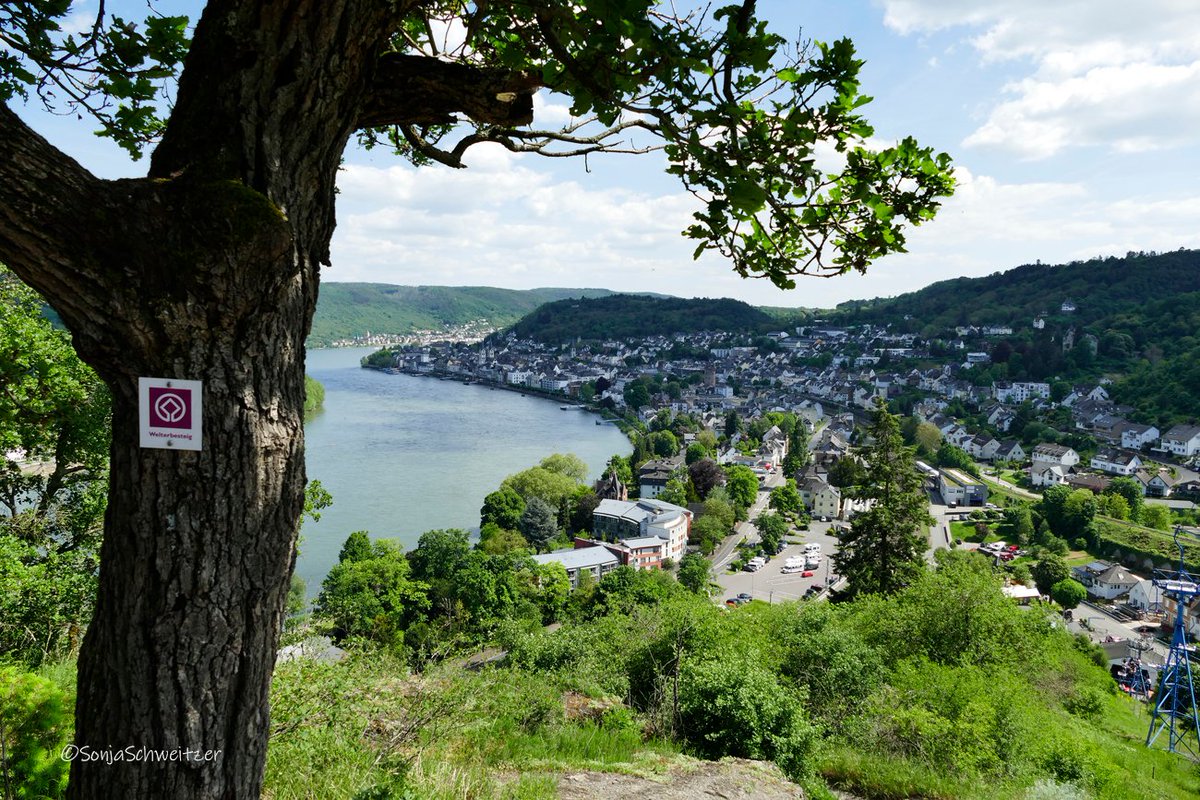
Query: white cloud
{"points": [[547, 113], [501, 223], [990, 226], [1100, 72]]}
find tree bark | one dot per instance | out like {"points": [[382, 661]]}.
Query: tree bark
{"points": [[208, 270]]}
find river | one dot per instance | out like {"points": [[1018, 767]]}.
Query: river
{"points": [[402, 455]]}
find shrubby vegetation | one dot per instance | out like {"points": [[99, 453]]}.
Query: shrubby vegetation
{"points": [[314, 396], [943, 689], [55, 413]]}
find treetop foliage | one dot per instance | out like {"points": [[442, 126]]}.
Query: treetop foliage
{"points": [[882, 551], [738, 110]]}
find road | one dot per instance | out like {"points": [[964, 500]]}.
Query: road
{"points": [[1018, 491], [770, 583], [726, 551]]}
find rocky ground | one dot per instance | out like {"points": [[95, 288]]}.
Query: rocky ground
{"points": [[728, 779]]}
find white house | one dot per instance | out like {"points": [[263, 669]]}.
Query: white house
{"points": [[1134, 435], [1182, 440], [821, 499], [1112, 583], [1116, 462], [618, 520], [982, 447], [1046, 455], [1087, 573], [1145, 596], [1158, 486], [1043, 475], [1019, 392], [1010, 450], [653, 477]]}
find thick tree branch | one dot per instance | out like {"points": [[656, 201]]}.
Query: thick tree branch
{"points": [[419, 90], [47, 209]]}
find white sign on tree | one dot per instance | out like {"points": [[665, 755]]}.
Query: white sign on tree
{"points": [[170, 413]]}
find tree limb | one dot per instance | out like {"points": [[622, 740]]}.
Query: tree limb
{"points": [[411, 90], [47, 204]]}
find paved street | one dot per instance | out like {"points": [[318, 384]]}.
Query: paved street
{"points": [[769, 584], [1098, 625], [939, 532], [727, 550]]}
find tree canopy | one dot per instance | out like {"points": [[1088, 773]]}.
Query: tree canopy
{"points": [[882, 551]]}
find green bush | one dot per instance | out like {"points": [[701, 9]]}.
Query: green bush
{"points": [[34, 728], [732, 706], [1086, 702]]}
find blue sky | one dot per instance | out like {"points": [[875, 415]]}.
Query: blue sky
{"points": [[1073, 125]]}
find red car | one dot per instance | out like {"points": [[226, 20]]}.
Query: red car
{"points": [[808, 573]]}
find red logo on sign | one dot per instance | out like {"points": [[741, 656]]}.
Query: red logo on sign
{"points": [[170, 408]]}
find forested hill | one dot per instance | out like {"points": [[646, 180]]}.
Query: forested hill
{"points": [[1143, 311], [628, 316], [1101, 288], [345, 310]]}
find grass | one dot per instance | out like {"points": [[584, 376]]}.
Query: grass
{"points": [[567, 745], [877, 777], [1110, 751], [1077, 558], [996, 490], [1145, 541], [966, 532], [345, 731]]}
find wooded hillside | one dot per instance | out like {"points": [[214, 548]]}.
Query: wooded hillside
{"points": [[346, 310], [629, 316]]}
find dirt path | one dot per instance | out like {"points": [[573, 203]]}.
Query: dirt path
{"points": [[729, 779]]}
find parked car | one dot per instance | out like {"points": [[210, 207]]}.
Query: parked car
{"points": [[808, 573], [745, 596]]}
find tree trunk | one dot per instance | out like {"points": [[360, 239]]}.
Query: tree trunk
{"points": [[197, 554], [207, 270]]}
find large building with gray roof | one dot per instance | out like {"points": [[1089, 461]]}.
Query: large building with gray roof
{"points": [[615, 520]]}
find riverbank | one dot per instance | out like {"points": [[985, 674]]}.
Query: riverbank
{"points": [[567, 403], [403, 456]]}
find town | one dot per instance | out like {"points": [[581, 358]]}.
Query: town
{"points": [[1007, 441]]}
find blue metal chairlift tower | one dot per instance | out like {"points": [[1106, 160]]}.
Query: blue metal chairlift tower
{"points": [[1175, 708]]}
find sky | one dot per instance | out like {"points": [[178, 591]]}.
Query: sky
{"points": [[1073, 126]]}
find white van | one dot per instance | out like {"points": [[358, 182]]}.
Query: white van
{"points": [[811, 548]]}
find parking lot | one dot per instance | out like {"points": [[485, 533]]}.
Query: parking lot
{"points": [[770, 584]]}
